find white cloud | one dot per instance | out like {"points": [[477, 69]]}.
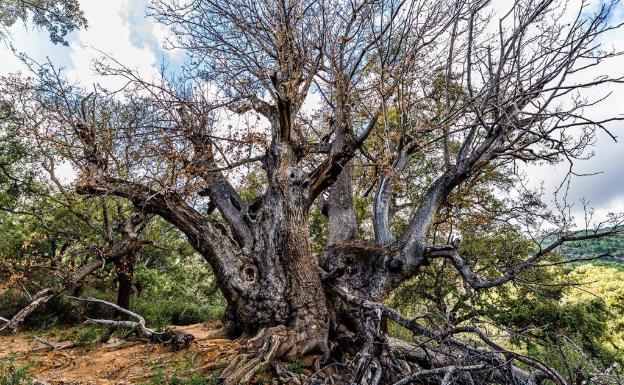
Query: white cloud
{"points": [[109, 32], [605, 190]]}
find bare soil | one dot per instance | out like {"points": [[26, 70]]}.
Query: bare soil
{"points": [[118, 361]]}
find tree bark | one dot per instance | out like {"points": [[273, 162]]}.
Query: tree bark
{"points": [[341, 212], [124, 268], [281, 282]]}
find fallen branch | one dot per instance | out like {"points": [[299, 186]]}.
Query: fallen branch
{"points": [[141, 321], [55, 346], [178, 340]]}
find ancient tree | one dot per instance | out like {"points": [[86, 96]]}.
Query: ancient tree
{"points": [[328, 101]]}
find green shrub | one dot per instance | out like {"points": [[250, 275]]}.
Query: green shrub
{"points": [[12, 374], [157, 311], [162, 312], [11, 301], [167, 307], [88, 336]]}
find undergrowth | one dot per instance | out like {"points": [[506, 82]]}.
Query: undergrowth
{"points": [[14, 374], [60, 311], [157, 311], [88, 336], [182, 373]]}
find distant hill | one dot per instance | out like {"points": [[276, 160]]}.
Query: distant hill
{"points": [[613, 245]]}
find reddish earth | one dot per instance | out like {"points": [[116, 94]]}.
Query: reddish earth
{"points": [[117, 362]]}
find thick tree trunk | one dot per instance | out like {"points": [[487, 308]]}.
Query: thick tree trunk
{"points": [[124, 267], [277, 290], [281, 284]]}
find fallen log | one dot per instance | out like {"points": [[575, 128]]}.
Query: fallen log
{"points": [[178, 340]]}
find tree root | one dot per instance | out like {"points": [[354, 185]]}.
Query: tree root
{"points": [[440, 355], [260, 351]]}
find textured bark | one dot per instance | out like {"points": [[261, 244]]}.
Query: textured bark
{"points": [[341, 213], [369, 61], [124, 291], [340, 209], [281, 279], [124, 267]]}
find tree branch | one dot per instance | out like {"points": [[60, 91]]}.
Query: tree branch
{"points": [[325, 174], [478, 282]]}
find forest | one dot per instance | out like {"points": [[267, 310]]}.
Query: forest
{"points": [[324, 192]]}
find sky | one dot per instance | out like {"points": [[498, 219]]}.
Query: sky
{"points": [[121, 29]]}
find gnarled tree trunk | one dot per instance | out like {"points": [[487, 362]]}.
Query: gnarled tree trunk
{"points": [[124, 268], [281, 281]]}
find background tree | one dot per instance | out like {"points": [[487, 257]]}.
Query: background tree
{"points": [[58, 17]]}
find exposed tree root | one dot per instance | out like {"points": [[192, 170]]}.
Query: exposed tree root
{"points": [[437, 357], [260, 351]]}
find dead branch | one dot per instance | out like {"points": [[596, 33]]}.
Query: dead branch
{"points": [[178, 340]]}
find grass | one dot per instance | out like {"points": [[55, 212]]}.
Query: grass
{"points": [[88, 336], [183, 373], [12, 374]]}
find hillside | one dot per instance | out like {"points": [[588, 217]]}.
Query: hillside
{"points": [[613, 246]]}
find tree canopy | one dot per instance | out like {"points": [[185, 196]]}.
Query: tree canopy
{"points": [[58, 17]]}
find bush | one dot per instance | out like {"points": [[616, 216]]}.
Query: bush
{"points": [[162, 312], [158, 312], [163, 302], [11, 301], [11, 374]]}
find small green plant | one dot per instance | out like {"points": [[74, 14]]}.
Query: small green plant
{"points": [[195, 379], [180, 376], [157, 378], [12, 374], [261, 376], [213, 379], [88, 336], [296, 367], [124, 331]]}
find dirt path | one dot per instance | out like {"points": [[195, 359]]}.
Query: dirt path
{"points": [[119, 362]]}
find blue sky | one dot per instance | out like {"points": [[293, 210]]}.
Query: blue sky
{"points": [[121, 29]]}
